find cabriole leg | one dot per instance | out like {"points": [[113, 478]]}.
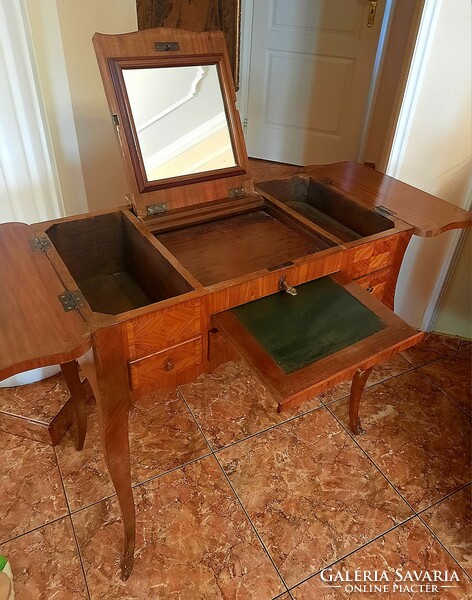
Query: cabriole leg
{"points": [[70, 371], [108, 376], [358, 384]]}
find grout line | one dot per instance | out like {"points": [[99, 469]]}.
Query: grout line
{"points": [[15, 537], [341, 558], [446, 497], [444, 547], [72, 525], [372, 385], [140, 483], [443, 392], [353, 437], [251, 435], [236, 496], [288, 420]]}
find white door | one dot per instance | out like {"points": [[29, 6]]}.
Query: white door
{"points": [[310, 73]]}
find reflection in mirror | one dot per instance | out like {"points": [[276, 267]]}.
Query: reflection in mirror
{"points": [[180, 120]]}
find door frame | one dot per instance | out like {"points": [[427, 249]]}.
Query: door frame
{"points": [[247, 19]]}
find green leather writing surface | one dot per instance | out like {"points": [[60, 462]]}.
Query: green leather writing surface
{"points": [[320, 320]]}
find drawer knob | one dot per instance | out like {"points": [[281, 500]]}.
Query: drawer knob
{"points": [[169, 365], [370, 289]]}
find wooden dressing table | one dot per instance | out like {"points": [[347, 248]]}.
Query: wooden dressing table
{"points": [[202, 263]]}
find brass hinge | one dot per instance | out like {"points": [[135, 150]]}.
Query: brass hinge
{"points": [[40, 244], [116, 120], [385, 212], [71, 300], [156, 209], [237, 192]]}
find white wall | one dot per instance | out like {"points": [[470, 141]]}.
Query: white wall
{"points": [[455, 311], [432, 147], [87, 153]]}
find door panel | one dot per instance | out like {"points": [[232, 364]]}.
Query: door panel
{"points": [[311, 66]]}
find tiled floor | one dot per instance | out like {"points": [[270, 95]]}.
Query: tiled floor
{"points": [[236, 501]]}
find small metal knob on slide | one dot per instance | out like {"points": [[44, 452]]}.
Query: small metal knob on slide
{"points": [[284, 286]]}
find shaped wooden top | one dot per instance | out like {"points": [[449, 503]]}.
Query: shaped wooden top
{"points": [[427, 214], [35, 331]]}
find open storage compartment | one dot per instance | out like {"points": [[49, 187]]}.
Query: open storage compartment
{"points": [[329, 209], [302, 345], [232, 246], [116, 268]]}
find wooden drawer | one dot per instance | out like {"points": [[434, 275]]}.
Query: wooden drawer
{"points": [[154, 370], [302, 345], [371, 257], [160, 330], [376, 283]]}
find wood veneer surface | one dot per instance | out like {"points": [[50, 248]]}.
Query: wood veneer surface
{"points": [[35, 331], [235, 246]]}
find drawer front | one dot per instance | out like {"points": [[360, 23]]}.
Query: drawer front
{"points": [[160, 330], [370, 258], [157, 368], [376, 283]]}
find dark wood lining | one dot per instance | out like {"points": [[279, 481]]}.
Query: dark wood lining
{"points": [[238, 245]]}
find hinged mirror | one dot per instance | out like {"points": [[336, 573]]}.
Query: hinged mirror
{"points": [[178, 127]]}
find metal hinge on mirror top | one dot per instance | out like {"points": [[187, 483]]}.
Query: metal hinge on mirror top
{"points": [[156, 209], [39, 244], [71, 300], [237, 192]]}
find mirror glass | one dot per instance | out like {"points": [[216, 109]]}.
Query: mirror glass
{"points": [[180, 120]]}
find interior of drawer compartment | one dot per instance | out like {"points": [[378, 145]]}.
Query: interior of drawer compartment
{"points": [[115, 267], [330, 210], [237, 245]]}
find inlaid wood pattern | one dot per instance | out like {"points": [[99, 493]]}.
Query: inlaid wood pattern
{"points": [[162, 329], [155, 369], [376, 283]]}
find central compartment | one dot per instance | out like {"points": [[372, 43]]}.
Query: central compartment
{"points": [[115, 266], [233, 246]]}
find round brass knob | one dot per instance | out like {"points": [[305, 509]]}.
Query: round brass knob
{"points": [[370, 289], [169, 365]]}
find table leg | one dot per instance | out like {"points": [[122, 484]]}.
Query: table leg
{"points": [[358, 384], [107, 373], [70, 371]]}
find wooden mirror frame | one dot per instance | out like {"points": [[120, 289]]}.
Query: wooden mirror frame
{"points": [[170, 47], [116, 67]]}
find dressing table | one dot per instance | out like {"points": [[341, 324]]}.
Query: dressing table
{"points": [[297, 275]]}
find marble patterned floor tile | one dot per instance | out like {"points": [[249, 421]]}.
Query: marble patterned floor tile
{"points": [[193, 541], [163, 436], [416, 435], [31, 492], [451, 523], [409, 548], [311, 493], [392, 368], [40, 401], [465, 350], [432, 347], [46, 564], [232, 403], [454, 377]]}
